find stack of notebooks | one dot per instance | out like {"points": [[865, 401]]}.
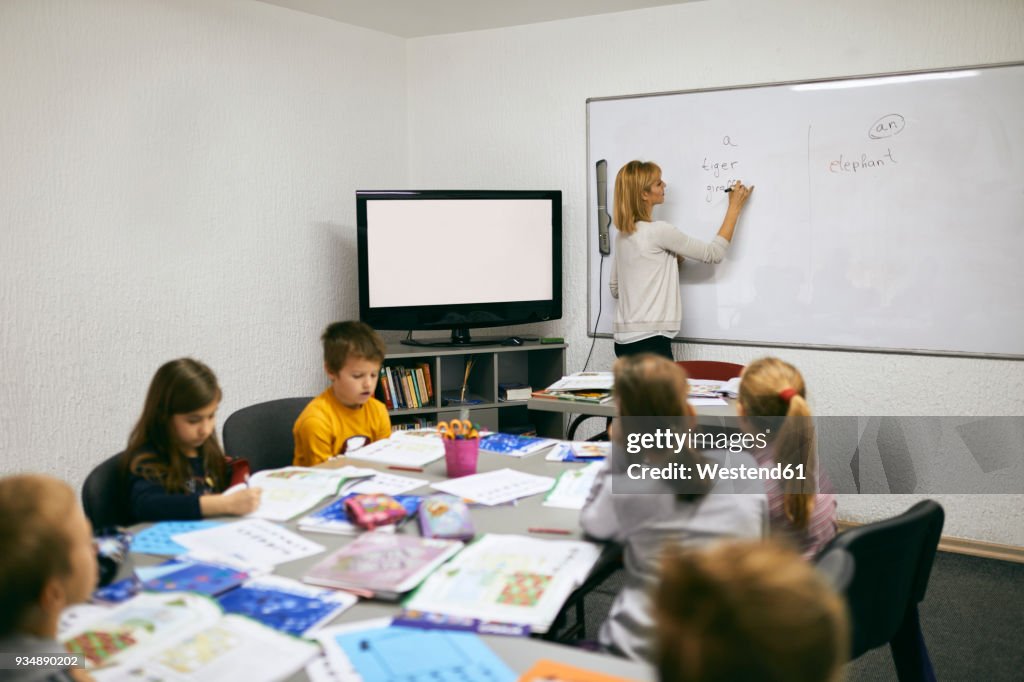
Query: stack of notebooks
{"points": [[584, 387]]}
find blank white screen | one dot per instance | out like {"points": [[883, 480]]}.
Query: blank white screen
{"points": [[454, 251]]}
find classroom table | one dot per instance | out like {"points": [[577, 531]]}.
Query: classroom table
{"points": [[519, 653]]}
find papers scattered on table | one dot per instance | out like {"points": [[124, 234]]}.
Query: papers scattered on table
{"points": [[573, 487], [183, 637], [157, 538], [397, 653], [289, 491], [579, 451], [383, 564], [252, 542], [404, 450], [710, 388], [509, 579], [495, 487], [388, 484], [285, 604]]}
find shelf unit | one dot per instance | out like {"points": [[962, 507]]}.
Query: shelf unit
{"points": [[537, 365]]}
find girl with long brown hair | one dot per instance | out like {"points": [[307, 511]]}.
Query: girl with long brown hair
{"points": [[175, 466]]}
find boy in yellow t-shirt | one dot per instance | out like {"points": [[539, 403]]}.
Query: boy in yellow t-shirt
{"points": [[346, 415]]}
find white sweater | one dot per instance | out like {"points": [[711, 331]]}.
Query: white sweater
{"points": [[645, 276]]}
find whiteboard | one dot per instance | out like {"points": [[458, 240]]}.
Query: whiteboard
{"points": [[888, 212]]}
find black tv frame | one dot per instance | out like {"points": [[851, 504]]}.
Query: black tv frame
{"points": [[459, 318]]}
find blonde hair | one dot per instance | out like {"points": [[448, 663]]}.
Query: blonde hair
{"points": [[771, 387], [633, 179], [746, 610], [34, 510]]}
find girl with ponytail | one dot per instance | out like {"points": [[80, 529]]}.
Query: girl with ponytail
{"points": [[773, 401]]}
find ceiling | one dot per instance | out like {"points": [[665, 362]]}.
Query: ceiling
{"points": [[416, 18]]}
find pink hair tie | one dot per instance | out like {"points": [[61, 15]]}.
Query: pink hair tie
{"points": [[787, 394]]}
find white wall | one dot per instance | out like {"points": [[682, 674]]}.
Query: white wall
{"points": [[506, 108], [177, 179]]}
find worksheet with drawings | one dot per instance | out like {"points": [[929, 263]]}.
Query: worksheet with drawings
{"points": [[888, 211]]}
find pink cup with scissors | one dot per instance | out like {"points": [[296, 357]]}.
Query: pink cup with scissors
{"points": [[461, 447]]}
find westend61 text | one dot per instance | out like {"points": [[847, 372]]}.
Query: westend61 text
{"points": [[716, 472], [667, 439]]}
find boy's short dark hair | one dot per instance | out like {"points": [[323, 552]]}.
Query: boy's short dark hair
{"points": [[358, 339]]}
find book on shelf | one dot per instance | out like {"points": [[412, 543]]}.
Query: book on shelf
{"points": [[385, 565], [458, 397], [514, 391]]}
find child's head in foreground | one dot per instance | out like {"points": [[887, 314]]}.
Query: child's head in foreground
{"points": [[747, 611]]}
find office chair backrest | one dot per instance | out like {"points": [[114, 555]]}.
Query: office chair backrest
{"points": [[710, 369], [892, 561], [103, 495], [262, 433]]}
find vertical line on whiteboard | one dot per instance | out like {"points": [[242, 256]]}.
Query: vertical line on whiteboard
{"points": [[810, 216]]}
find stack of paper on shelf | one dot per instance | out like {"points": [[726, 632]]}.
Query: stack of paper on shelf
{"points": [[382, 565], [584, 387], [509, 579], [180, 636]]}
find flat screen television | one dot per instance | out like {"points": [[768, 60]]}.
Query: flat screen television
{"points": [[458, 259]]}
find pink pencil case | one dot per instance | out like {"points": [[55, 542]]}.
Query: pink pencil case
{"points": [[374, 510], [445, 516]]}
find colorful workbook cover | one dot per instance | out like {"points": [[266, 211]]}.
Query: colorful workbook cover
{"points": [[384, 564], [284, 604], [513, 445], [208, 579]]}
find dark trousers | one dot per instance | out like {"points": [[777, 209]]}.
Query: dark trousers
{"points": [[659, 345]]}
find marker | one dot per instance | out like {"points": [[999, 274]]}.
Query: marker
{"points": [[550, 531], [728, 189], [398, 468], [246, 480]]}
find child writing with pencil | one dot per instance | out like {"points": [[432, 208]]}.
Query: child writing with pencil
{"points": [[772, 400], [645, 267], [346, 415], [175, 466], [650, 392]]}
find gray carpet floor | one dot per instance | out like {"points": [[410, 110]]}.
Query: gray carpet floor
{"points": [[972, 618]]}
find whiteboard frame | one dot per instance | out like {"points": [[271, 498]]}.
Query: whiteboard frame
{"points": [[592, 229]]}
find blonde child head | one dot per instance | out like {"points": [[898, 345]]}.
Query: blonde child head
{"points": [[747, 611], [771, 388]]}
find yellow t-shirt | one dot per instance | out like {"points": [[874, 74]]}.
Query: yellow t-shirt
{"points": [[324, 427]]}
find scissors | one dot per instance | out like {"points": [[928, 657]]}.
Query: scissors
{"points": [[457, 428]]}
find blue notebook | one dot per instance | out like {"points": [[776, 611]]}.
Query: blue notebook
{"points": [[208, 579], [285, 605], [157, 538]]}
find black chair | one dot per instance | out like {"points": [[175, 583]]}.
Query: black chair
{"points": [[103, 495], [892, 561], [262, 433]]}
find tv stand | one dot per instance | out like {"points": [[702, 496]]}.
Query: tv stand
{"points": [[460, 338], [533, 364]]}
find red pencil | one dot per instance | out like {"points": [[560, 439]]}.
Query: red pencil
{"points": [[398, 468], [552, 531]]}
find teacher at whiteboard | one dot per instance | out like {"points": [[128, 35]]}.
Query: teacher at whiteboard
{"points": [[645, 263]]}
